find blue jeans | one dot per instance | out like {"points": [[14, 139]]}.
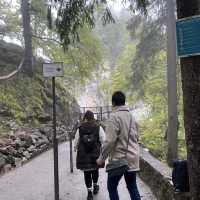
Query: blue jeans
{"points": [[130, 178]]}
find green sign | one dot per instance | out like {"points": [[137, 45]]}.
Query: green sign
{"points": [[188, 36]]}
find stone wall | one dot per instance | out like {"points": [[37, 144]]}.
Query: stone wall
{"points": [[158, 176], [19, 147]]}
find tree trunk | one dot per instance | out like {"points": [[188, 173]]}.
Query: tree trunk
{"points": [[172, 133], [190, 69], [28, 55]]}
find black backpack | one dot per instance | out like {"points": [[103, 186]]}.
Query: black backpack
{"points": [[90, 139], [180, 177]]}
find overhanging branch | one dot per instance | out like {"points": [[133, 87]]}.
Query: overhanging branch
{"points": [[46, 38], [6, 77]]}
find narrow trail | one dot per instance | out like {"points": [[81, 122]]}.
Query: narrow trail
{"points": [[34, 181]]}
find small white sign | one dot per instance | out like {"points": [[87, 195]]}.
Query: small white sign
{"points": [[53, 70]]}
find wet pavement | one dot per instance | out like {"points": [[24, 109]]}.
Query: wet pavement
{"points": [[34, 181]]}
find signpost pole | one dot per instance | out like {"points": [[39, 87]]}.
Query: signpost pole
{"points": [[101, 113], [108, 110], [55, 144], [54, 70]]}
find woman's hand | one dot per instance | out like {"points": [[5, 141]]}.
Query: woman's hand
{"points": [[99, 162]]}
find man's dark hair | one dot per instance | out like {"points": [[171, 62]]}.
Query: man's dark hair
{"points": [[118, 98], [89, 115]]}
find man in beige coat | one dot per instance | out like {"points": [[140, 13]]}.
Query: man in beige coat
{"points": [[115, 146]]}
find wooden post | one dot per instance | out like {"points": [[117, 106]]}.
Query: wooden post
{"points": [[83, 110], [101, 113], [108, 110], [71, 153]]}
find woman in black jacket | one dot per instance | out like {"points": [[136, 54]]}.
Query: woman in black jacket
{"points": [[88, 140]]}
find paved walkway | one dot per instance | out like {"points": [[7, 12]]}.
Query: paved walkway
{"points": [[34, 181]]}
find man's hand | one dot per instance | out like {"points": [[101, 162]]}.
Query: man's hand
{"points": [[99, 162]]}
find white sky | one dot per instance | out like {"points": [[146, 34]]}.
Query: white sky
{"points": [[117, 5]]}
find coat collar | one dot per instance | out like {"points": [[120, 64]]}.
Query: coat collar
{"points": [[119, 108]]}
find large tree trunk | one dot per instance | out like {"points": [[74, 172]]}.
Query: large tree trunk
{"points": [[172, 133], [28, 55], [190, 68]]}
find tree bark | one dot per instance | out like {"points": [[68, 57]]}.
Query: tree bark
{"points": [[190, 69], [28, 55], [172, 133]]}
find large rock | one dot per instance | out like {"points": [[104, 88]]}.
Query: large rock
{"points": [[10, 160], [45, 118], [18, 162], [12, 125], [27, 155], [19, 143], [4, 151], [22, 145], [5, 141], [5, 113], [31, 149], [20, 152], [8, 150], [11, 151], [47, 131], [39, 139], [7, 168], [26, 140]]}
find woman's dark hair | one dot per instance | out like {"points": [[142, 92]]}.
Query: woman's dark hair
{"points": [[89, 115], [118, 98]]}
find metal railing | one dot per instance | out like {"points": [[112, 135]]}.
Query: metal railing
{"points": [[100, 112]]}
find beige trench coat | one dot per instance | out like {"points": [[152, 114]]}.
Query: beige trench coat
{"points": [[115, 144]]}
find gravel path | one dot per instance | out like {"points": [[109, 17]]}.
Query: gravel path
{"points": [[34, 181]]}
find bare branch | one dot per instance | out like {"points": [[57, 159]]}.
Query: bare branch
{"points": [[46, 38], [6, 77]]}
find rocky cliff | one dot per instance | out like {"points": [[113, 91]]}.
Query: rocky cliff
{"points": [[26, 110], [29, 100]]}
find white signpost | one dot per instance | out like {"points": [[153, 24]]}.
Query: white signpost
{"points": [[54, 70]]}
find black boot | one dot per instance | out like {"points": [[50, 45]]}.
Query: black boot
{"points": [[90, 196], [96, 189]]}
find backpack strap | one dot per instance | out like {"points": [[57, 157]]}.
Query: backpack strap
{"points": [[129, 132]]}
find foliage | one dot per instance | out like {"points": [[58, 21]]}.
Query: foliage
{"points": [[155, 95], [111, 33], [149, 78], [74, 14], [141, 68], [121, 74], [154, 128], [28, 99], [150, 36], [20, 99], [81, 58], [9, 20]]}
